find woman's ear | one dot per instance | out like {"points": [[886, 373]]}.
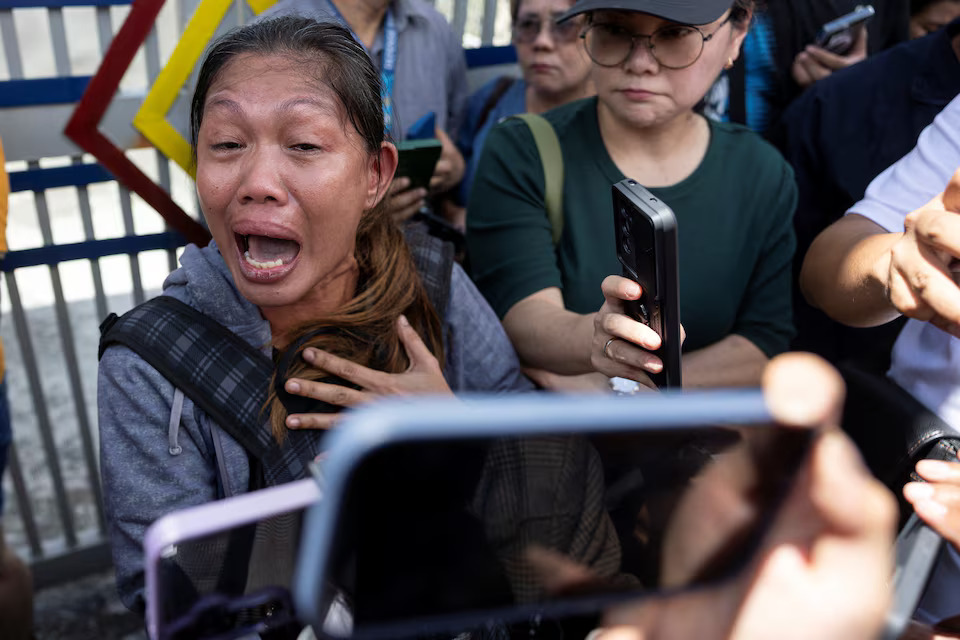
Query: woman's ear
{"points": [[383, 164]]}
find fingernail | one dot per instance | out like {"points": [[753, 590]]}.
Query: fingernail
{"points": [[917, 491], [293, 386], [935, 469], [930, 510], [422, 192], [403, 321], [633, 290], [293, 422], [309, 354]]}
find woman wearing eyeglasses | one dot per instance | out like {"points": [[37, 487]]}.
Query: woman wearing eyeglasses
{"points": [[555, 70], [733, 195]]}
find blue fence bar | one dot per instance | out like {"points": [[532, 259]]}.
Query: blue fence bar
{"points": [[90, 250], [77, 175], [490, 56], [47, 4]]}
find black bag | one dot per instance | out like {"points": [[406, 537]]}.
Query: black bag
{"points": [[892, 429]]}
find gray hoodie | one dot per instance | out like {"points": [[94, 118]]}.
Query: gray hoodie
{"points": [[160, 453]]}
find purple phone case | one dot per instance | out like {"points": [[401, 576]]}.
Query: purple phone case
{"points": [[211, 518]]}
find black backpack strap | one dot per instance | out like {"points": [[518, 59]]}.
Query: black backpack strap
{"points": [[220, 372], [434, 259]]}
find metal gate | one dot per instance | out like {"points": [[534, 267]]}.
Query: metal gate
{"points": [[81, 245]]}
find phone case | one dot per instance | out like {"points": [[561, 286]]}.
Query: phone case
{"points": [[837, 36], [417, 160], [395, 422], [424, 128], [646, 235], [211, 518]]}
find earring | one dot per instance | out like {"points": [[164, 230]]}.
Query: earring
{"points": [[729, 64]]}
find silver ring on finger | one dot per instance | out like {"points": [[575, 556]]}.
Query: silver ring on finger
{"points": [[607, 346]]}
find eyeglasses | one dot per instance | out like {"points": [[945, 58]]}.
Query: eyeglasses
{"points": [[528, 28], [674, 46]]}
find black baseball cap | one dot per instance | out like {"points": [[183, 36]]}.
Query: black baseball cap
{"points": [[683, 11]]}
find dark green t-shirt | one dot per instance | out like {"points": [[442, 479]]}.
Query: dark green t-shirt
{"points": [[734, 217]]}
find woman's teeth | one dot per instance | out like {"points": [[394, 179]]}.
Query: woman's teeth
{"points": [[261, 265]]}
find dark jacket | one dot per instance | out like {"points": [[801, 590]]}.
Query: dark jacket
{"points": [[795, 25], [842, 133]]}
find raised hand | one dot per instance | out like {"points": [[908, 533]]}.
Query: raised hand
{"points": [[422, 377]]}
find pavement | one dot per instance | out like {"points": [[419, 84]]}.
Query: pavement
{"points": [[86, 609]]}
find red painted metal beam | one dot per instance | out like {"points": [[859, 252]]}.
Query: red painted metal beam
{"points": [[83, 127]]}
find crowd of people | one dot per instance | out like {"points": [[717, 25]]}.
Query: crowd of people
{"points": [[816, 200]]}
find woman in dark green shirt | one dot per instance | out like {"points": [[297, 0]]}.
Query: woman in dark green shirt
{"points": [[732, 193]]}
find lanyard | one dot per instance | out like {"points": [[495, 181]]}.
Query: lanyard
{"points": [[388, 62]]}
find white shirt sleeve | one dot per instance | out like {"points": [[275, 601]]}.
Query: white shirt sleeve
{"points": [[916, 178]]}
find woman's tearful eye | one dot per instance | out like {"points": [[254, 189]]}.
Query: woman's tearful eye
{"points": [[225, 146], [305, 146]]}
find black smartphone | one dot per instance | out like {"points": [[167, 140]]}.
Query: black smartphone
{"points": [[517, 518], [418, 159], [838, 36], [646, 234]]}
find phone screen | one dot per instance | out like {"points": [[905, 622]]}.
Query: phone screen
{"points": [[417, 161], [505, 531], [498, 537]]}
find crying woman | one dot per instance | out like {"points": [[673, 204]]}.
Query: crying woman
{"points": [[306, 272]]}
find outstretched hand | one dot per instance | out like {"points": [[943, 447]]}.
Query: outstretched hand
{"points": [[923, 263], [823, 569], [422, 377], [937, 501]]}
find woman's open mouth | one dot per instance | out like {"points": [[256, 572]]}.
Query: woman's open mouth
{"points": [[265, 257]]}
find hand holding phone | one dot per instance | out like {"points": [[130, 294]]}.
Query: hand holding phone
{"points": [[823, 568], [493, 493], [838, 36], [411, 181], [646, 245], [839, 44]]}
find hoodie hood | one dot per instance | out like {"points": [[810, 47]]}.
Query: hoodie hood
{"points": [[204, 282]]}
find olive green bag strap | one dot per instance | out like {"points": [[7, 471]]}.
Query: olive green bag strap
{"points": [[548, 146]]}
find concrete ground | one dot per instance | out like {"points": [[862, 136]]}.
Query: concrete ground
{"points": [[87, 609]]}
